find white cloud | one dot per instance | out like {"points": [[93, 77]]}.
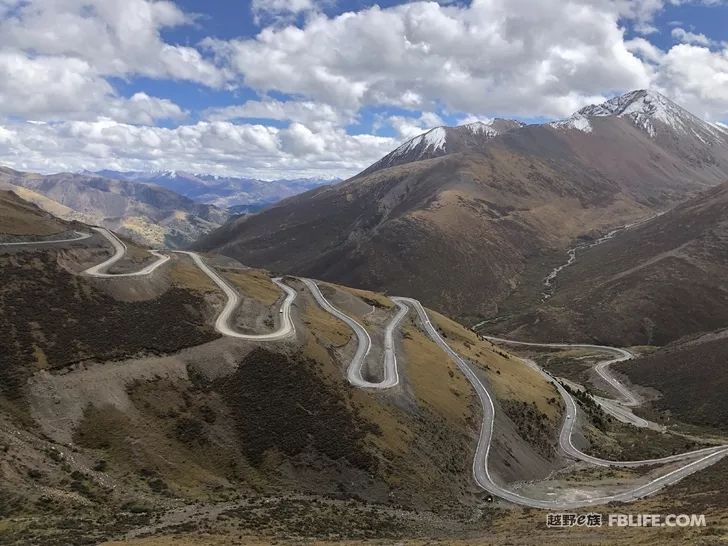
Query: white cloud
{"points": [[307, 112], [687, 37], [282, 11], [115, 37], [46, 87], [409, 127], [505, 56], [215, 147], [645, 50], [697, 78], [56, 57], [487, 58]]}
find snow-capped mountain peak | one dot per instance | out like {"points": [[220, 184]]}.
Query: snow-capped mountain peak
{"points": [[649, 111], [431, 141], [645, 108], [481, 128], [445, 140]]}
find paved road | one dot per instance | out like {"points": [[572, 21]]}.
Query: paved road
{"points": [[627, 398], [567, 432], [702, 458], [286, 328], [570, 420], [100, 270], [79, 237], [481, 471], [354, 370]]}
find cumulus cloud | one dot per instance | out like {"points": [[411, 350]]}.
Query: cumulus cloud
{"points": [[115, 37], [514, 57], [282, 11], [46, 87], [408, 127], [687, 37], [697, 78], [492, 57], [307, 112], [316, 74], [215, 147]]}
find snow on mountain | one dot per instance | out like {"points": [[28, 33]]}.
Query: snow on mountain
{"points": [[221, 191], [445, 140], [646, 109], [577, 121], [650, 112], [432, 141]]}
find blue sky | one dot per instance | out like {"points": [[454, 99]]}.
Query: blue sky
{"points": [[281, 88]]}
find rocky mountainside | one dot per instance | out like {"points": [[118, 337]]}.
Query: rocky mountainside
{"points": [[148, 213], [462, 227], [651, 284], [222, 191], [445, 140], [122, 409]]}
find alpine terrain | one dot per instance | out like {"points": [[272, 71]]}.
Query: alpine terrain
{"points": [[464, 218], [164, 394], [148, 213]]}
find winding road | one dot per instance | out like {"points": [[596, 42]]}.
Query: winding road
{"points": [[616, 408], [79, 237], [120, 249], [286, 328], [481, 473], [699, 459], [354, 370]]}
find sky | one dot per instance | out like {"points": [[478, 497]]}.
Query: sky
{"points": [[323, 88]]}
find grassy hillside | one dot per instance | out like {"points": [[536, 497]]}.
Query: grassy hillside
{"points": [[20, 218], [649, 285], [691, 378]]}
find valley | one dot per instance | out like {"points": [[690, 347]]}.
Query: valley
{"points": [[297, 367], [464, 221], [321, 273], [81, 409]]}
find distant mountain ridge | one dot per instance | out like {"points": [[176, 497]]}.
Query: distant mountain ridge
{"points": [[462, 217], [148, 213], [221, 191]]}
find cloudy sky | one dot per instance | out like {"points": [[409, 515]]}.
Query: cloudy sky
{"points": [[288, 88]]}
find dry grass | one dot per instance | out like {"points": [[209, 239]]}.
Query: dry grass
{"points": [[324, 326], [201, 539], [143, 228], [253, 283], [19, 218], [434, 377], [185, 274], [380, 299], [510, 377]]}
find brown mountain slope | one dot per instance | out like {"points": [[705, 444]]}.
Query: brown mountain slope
{"points": [[459, 231], [650, 284], [21, 218], [120, 403], [150, 214], [691, 378]]}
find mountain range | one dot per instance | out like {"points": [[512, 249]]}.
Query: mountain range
{"points": [[151, 214], [226, 192], [176, 396], [465, 217]]}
